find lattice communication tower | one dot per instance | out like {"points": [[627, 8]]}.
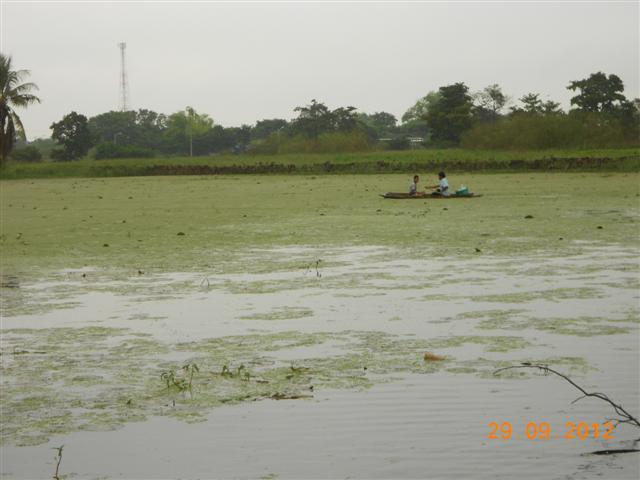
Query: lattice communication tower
{"points": [[124, 86]]}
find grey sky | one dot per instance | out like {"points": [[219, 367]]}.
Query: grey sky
{"points": [[247, 61]]}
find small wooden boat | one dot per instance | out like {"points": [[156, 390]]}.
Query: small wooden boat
{"points": [[402, 196]]}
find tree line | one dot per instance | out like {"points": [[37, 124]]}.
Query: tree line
{"points": [[600, 116]]}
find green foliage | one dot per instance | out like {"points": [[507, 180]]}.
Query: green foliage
{"points": [[379, 124], [551, 108], [413, 128], [400, 143], [492, 98], [44, 145], [534, 131], [26, 154], [422, 107], [531, 103], [13, 94], [598, 93], [184, 129], [451, 114], [72, 133], [265, 128], [143, 128], [117, 127], [331, 142], [316, 119], [112, 150], [489, 103]]}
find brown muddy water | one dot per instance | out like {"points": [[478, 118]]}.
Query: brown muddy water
{"points": [[325, 376]]}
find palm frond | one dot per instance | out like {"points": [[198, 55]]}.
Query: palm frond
{"points": [[24, 100], [25, 87], [19, 127]]}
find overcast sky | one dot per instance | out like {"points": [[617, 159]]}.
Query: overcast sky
{"points": [[241, 62]]}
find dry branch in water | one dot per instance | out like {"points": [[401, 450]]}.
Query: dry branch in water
{"points": [[58, 457], [626, 417]]}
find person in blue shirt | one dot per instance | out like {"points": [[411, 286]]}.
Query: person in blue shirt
{"points": [[442, 189]]}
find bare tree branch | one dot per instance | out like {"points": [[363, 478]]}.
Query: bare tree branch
{"points": [[619, 409]]}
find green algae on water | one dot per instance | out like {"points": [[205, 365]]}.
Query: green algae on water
{"points": [[280, 313], [579, 326], [211, 211], [61, 380]]}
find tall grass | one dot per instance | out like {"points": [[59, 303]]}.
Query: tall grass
{"points": [[526, 132]]}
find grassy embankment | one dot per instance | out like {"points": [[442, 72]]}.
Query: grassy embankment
{"points": [[133, 223], [453, 160]]}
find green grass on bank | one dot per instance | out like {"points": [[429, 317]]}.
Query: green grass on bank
{"points": [[454, 160], [204, 222]]}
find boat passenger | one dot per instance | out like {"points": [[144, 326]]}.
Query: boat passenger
{"points": [[442, 189], [413, 187]]}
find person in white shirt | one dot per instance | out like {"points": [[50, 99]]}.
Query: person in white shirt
{"points": [[443, 185], [413, 187]]}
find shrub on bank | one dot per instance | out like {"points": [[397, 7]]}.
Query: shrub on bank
{"points": [[536, 132], [26, 154], [111, 150], [333, 142], [400, 143]]}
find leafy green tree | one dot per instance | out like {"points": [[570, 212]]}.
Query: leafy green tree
{"points": [[531, 103], [184, 129], [149, 128], [344, 119], [598, 93], [383, 120], [628, 114], [143, 128], [113, 150], [451, 115], [267, 127], [379, 124], [413, 128], [114, 126], [602, 94], [197, 125], [13, 94], [312, 120], [215, 140], [44, 145], [27, 153], [421, 108], [551, 108], [73, 134], [220, 139], [489, 102], [316, 118]]}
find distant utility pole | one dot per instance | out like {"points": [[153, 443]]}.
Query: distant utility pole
{"points": [[124, 87]]}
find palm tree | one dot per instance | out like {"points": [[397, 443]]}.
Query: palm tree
{"points": [[13, 94]]}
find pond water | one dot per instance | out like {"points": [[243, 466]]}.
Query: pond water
{"points": [[325, 376]]}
